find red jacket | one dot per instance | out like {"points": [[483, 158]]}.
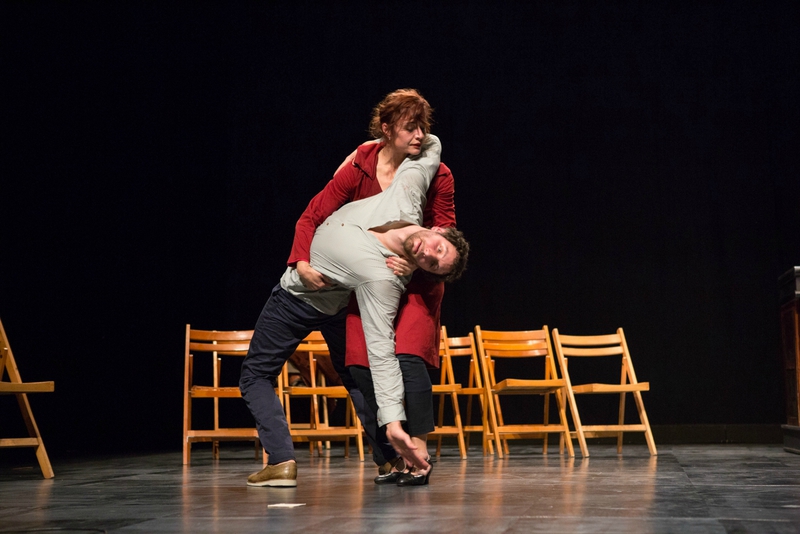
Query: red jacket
{"points": [[417, 322]]}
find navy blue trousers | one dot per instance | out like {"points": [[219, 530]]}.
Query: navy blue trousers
{"points": [[282, 325]]}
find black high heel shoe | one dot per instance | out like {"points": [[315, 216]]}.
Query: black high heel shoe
{"points": [[385, 473], [410, 479]]}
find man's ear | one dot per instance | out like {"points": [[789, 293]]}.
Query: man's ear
{"points": [[438, 229]]}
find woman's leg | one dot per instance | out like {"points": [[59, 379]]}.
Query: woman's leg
{"points": [[418, 400]]}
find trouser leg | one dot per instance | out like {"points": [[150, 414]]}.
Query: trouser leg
{"points": [[334, 333], [283, 323], [418, 395]]}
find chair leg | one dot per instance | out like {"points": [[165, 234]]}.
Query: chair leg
{"points": [[187, 408], [501, 442], [493, 422], [488, 447], [562, 413], [462, 447], [33, 431], [440, 423], [576, 419], [648, 433], [546, 420], [621, 421]]}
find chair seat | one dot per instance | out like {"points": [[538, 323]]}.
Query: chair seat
{"points": [[222, 434], [10, 388], [517, 386], [321, 432], [215, 393], [447, 388], [611, 388], [334, 392]]}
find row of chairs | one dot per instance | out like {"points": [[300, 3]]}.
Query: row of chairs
{"points": [[223, 352], [488, 366], [523, 364]]}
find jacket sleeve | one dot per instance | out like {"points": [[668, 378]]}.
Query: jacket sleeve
{"points": [[334, 195], [440, 208]]}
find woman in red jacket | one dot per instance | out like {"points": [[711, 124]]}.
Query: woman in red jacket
{"points": [[399, 123]]}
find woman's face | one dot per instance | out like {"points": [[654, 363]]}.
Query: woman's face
{"points": [[406, 136]]}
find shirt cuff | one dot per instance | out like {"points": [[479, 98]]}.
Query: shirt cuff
{"points": [[388, 414]]}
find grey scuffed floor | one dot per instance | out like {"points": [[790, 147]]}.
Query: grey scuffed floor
{"points": [[686, 489]]}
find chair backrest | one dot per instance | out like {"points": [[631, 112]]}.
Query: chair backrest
{"points": [[593, 347], [517, 344], [234, 343], [458, 347], [313, 342], [605, 345], [313, 346]]}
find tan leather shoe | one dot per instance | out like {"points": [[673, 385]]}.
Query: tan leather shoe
{"points": [[280, 475]]}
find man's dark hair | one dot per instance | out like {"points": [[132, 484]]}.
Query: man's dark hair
{"points": [[456, 238]]}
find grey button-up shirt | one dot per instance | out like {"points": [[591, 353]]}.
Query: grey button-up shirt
{"points": [[345, 251]]}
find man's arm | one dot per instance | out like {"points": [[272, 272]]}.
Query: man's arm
{"points": [[378, 302], [404, 200]]}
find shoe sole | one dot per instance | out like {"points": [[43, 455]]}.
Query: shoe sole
{"points": [[274, 483]]}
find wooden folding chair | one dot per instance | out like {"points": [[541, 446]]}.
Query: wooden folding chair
{"points": [[606, 347], [15, 386], [523, 348], [448, 388], [223, 349], [459, 349], [319, 428]]}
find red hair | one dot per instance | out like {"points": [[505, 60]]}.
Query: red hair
{"points": [[403, 104]]}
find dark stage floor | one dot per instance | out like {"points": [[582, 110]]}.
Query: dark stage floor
{"points": [[703, 488]]}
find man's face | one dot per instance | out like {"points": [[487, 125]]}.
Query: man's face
{"points": [[431, 251]]}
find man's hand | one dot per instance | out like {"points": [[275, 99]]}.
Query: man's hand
{"points": [[400, 266], [402, 444], [310, 277]]}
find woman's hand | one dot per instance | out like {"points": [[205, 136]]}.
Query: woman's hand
{"points": [[400, 266], [310, 277]]}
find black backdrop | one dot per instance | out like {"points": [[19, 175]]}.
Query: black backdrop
{"points": [[630, 165]]}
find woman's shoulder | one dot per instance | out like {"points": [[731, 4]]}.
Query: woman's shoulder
{"points": [[366, 153]]}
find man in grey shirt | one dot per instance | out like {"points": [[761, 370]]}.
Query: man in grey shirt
{"points": [[350, 249]]}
